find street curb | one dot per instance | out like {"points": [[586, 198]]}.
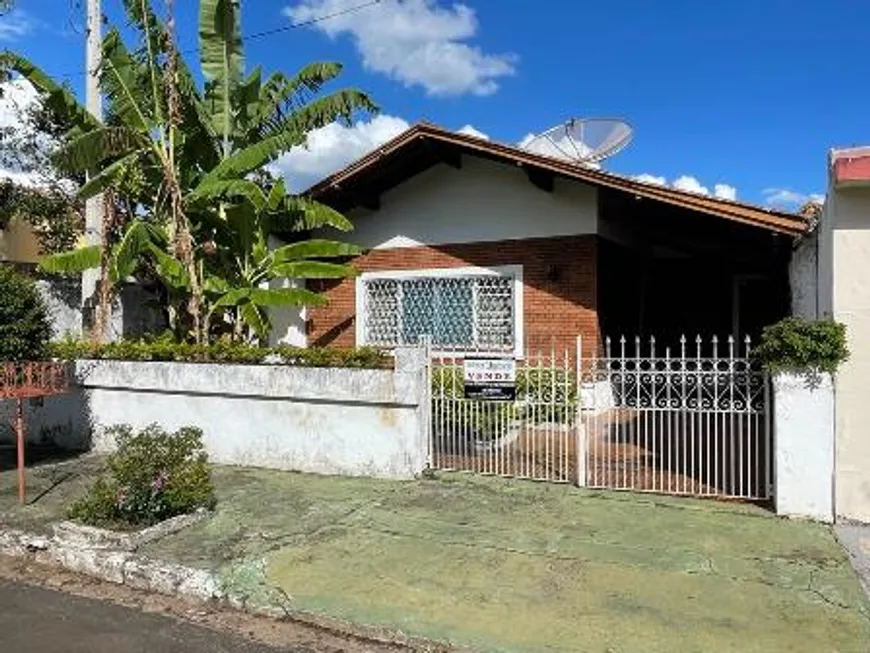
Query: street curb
{"points": [[125, 567], [82, 536], [116, 565]]}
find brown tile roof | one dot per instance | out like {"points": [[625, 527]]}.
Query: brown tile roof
{"points": [[330, 187]]}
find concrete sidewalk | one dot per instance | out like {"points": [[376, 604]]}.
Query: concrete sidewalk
{"points": [[855, 538], [505, 565]]}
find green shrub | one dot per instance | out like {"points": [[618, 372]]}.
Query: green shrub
{"points": [[153, 475], [25, 328], [797, 344], [222, 351]]}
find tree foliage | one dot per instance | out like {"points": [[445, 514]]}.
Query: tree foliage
{"points": [[25, 328], [39, 193], [194, 207]]}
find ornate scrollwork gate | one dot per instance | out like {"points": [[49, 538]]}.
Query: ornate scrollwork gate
{"points": [[689, 419]]}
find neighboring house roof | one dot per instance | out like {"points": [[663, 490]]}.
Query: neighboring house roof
{"points": [[424, 144], [851, 166]]}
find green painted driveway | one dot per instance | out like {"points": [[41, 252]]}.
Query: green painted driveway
{"points": [[515, 566]]}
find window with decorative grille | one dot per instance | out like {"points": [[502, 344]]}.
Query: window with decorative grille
{"points": [[459, 313]]}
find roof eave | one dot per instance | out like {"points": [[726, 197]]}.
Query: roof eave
{"points": [[778, 221]]}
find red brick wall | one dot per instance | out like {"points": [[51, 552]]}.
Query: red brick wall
{"points": [[559, 295]]}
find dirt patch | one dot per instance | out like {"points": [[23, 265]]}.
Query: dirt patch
{"points": [[271, 632]]}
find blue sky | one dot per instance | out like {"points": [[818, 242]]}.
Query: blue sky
{"points": [[746, 93]]}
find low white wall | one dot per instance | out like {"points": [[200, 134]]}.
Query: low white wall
{"points": [[61, 420], [326, 421], [803, 422]]}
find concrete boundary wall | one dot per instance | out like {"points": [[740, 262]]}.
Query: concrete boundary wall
{"points": [[320, 420], [803, 423]]}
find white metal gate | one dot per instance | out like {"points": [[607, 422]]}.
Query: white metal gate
{"points": [[692, 419], [536, 436]]}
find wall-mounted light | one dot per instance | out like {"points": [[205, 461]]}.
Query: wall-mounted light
{"points": [[554, 272]]}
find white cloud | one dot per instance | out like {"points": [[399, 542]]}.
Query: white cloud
{"points": [[725, 192], [471, 130], [690, 184], [651, 179], [417, 42], [17, 98], [789, 199], [333, 147], [15, 24]]}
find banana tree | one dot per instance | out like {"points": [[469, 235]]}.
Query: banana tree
{"points": [[240, 284], [191, 160]]}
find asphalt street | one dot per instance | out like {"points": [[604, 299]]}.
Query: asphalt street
{"points": [[36, 620]]}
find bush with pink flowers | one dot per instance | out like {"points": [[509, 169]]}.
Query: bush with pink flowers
{"points": [[152, 476]]}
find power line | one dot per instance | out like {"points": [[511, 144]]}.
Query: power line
{"points": [[265, 33], [312, 21]]}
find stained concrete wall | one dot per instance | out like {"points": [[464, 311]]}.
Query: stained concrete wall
{"points": [[63, 299], [62, 420], [803, 278], [803, 422], [327, 421], [844, 292]]}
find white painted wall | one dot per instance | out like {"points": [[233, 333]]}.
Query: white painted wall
{"points": [[482, 201], [803, 420], [63, 299], [845, 287], [326, 421], [61, 420], [803, 278], [288, 323]]}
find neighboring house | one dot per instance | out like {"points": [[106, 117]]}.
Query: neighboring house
{"points": [[835, 282], [18, 242], [491, 248]]}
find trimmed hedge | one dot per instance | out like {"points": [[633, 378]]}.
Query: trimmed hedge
{"points": [[165, 349], [798, 344]]}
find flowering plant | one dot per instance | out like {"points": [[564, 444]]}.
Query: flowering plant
{"points": [[153, 475]]}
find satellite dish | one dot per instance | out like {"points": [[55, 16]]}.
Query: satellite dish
{"points": [[585, 141]]}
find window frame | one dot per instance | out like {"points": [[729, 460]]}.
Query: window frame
{"points": [[513, 271]]}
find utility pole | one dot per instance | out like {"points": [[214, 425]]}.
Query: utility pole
{"points": [[94, 101]]}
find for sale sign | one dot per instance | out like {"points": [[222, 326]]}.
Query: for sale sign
{"points": [[490, 378]]}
